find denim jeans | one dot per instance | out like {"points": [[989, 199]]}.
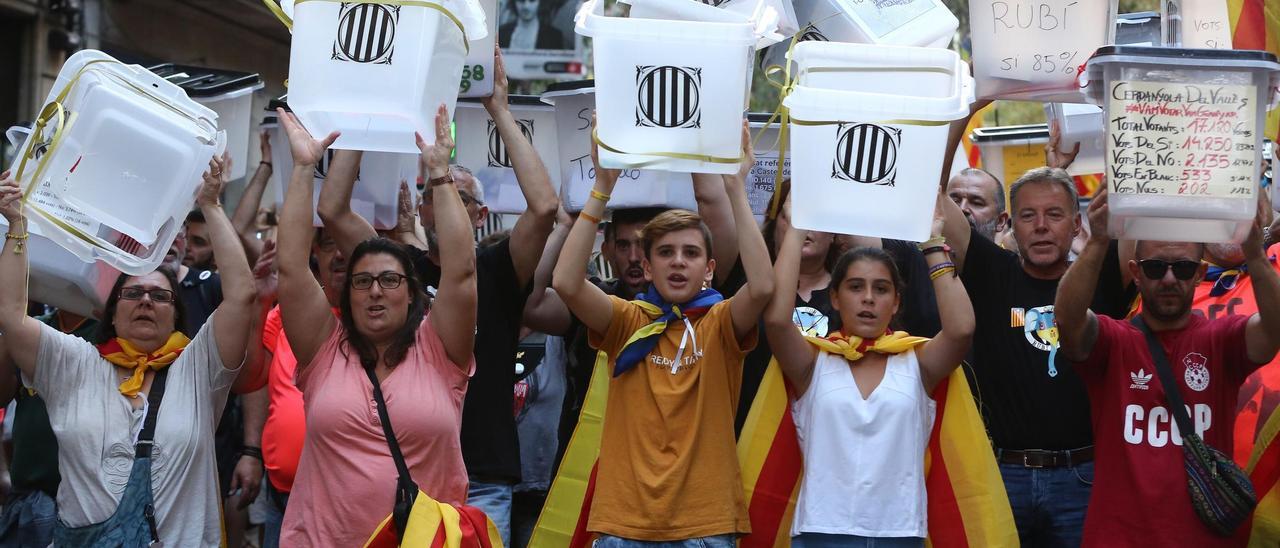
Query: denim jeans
{"points": [[1048, 503], [28, 520], [717, 541], [276, 502], [823, 540], [494, 499]]}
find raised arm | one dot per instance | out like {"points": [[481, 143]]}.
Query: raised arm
{"points": [[589, 303], [453, 313], [750, 301], [304, 310], [529, 236], [407, 225], [233, 317], [21, 334], [794, 354], [956, 229], [544, 311], [717, 212], [940, 356], [258, 358], [1077, 325], [1262, 334], [247, 209], [1054, 156], [334, 207]]}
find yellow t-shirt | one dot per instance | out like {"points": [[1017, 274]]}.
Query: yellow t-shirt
{"points": [[668, 466]]}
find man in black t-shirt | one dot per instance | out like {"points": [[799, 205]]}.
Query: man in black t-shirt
{"points": [[1035, 406], [490, 447]]}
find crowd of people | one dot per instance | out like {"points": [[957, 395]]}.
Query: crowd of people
{"points": [[329, 373]]}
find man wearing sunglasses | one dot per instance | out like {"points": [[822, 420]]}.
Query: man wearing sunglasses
{"points": [[1140, 496]]}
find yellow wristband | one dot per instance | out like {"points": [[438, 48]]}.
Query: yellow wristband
{"points": [[599, 195], [587, 216], [942, 272]]}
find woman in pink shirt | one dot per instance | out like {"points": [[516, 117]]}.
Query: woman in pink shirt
{"points": [[347, 479]]}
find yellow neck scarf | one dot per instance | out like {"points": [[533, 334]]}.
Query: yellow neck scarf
{"points": [[853, 348], [119, 352]]}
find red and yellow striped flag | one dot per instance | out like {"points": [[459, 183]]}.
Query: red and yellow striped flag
{"points": [[1264, 473], [967, 501], [434, 524], [1255, 24], [563, 522]]}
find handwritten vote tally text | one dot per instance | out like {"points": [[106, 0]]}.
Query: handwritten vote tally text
{"points": [[1181, 139]]}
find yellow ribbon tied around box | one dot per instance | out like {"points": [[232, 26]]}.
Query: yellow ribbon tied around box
{"points": [[62, 119], [274, 6], [782, 115]]}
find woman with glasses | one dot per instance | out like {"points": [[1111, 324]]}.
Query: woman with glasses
{"points": [[346, 482], [134, 472]]}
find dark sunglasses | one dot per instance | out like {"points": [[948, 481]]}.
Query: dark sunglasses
{"points": [[386, 280], [136, 294], [1154, 269]]}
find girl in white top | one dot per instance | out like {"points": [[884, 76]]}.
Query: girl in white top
{"points": [[863, 412]]}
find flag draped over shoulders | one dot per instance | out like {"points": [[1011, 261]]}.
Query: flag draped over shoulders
{"points": [[967, 501]]}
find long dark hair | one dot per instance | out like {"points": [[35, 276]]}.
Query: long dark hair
{"points": [[873, 254], [404, 337], [106, 327]]}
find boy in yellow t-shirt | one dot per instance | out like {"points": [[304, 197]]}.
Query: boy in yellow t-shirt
{"points": [[668, 468]]}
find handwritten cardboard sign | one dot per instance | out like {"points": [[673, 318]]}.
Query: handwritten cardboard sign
{"points": [[1206, 24], [1182, 139], [1033, 49]]}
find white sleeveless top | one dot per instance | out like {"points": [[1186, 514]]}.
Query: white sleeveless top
{"points": [[863, 459]]}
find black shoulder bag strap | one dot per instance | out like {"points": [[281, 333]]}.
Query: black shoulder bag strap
{"points": [[146, 441], [1221, 493], [1166, 377], [406, 489]]}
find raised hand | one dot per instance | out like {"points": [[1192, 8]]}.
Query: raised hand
{"points": [[306, 150], [210, 191], [434, 161], [265, 279], [748, 155], [497, 101], [10, 198], [604, 177], [264, 146], [1099, 213], [405, 215], [1055, 156], [225, 173]]}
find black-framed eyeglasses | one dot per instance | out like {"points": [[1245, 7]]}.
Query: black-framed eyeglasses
{"points": [[386, 280], [1154, 269], [136, 294]]}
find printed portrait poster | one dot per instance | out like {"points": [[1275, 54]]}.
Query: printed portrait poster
{"points": [[537, 39]]}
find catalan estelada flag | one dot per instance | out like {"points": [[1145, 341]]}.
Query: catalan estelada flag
{"points": [[968, 506], [1255, 24], [1264, 473], [434, 524]]}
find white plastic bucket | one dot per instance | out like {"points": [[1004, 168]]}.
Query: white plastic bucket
{"points": [[869, 136], [61, 279], [1184, 139], [670, 94], [228, 93], [1080, 124], [574, 103], [1010, 151], [480, 148], [1032, 50], [376, 192], [378, 71], [764, 175], [128, 138]]}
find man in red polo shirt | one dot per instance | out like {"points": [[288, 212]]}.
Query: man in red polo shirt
{"points": [[1140, 495]]}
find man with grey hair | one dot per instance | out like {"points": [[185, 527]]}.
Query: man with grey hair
{"points": [[1035, 407], [981, 197]]}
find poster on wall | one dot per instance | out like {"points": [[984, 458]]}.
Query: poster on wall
{"points": [[537, 39]]}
